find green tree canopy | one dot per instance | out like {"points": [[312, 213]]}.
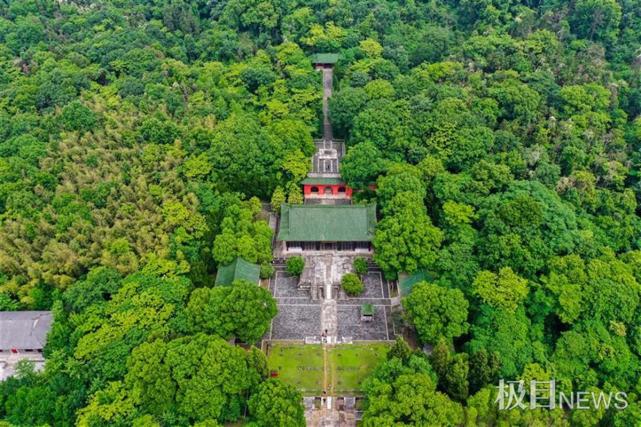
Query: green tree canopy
{"points": [[243, 310], [436, 311]]}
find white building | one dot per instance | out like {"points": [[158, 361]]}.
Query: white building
{"points": [[23, 335]]}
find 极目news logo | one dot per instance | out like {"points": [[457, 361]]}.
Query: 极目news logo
{"points": [[544, 394]]}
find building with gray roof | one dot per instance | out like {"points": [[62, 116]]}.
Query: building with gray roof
{"points": [[23, 335]]}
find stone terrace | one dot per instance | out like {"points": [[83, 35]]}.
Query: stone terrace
{"points": [[299, 316]]}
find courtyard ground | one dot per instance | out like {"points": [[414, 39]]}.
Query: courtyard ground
{"points": [[299, 316]]}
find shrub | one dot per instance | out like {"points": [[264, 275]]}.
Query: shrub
{"points": [[266, 271], [352, 284], [360, 266], [295, 265]]}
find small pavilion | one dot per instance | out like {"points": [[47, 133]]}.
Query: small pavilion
{"points": [[325, 60], [238, 269], [367, 312], [406, 282]]}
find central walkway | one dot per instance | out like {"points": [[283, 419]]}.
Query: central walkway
{"points": [[328, 74], [328, 268], [329, 311]]}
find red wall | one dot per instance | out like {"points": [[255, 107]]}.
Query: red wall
{"points": [[307, 189]]}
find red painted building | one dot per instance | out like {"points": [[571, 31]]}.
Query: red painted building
{"points": [[326, 188]]}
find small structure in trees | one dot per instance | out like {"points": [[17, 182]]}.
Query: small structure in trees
{"points": [[23, 335], [367, 312], [238, 269], [406, 282], [325, 60]]}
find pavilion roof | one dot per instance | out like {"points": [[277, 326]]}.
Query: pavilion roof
{"points": [[367, 310], [406, 282], [327, 223], [325, 58], [238, 269]]}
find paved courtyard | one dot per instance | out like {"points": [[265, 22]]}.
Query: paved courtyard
{"points": [[299, 316]]}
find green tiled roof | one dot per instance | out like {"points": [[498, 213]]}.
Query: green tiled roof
{"points": [[325, 58], [323, 181], [327, 223], [238, 269], [406, 283]]}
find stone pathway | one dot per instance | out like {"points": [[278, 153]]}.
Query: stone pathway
{"points": [[329, 324], [327, 93]]}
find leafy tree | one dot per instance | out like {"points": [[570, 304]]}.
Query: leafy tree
{"points": [[484, 369], [242, 310], [277, 403], [513, 234], [267, 271], [7, 303], [77, 117], [360, 266], [344, 106], [504, 290], [506, 334], [399, 179], [597, 19], [244, 235], [242, 139], [384, 123], [405, 239], [406, 393], [352, 284], [400, 350], [603, 289], [278, 198], [436, 311], [294, 195], [172, 376], [295, 265], [362, 165]]}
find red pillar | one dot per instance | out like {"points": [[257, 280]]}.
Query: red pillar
{"points": [[348, 191], [334, 190], [307, 189]]}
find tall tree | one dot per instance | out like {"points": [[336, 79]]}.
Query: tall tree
{"points": [[436, 311]]}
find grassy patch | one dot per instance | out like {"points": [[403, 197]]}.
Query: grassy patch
{"points": [[300, 365], [352, 363]]}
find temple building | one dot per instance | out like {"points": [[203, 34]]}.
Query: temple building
{"points": [[23, 335], [325, 189], [324, 182], [327, 221], [312, 228]]}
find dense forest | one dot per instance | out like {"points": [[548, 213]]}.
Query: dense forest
{"points": [[139, 138]]}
